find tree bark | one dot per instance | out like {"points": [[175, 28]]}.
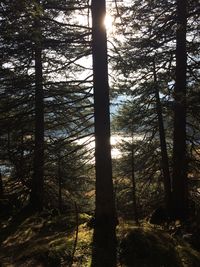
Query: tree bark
{"points": [[59, 184], [134, 188], [180, 187], [133, 179], [104, 239], [36, 197], [1, 186], [163, 146]]}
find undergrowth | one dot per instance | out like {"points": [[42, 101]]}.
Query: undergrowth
{"points": [[47, 239]]}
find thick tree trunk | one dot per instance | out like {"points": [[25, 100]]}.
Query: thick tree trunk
{"points": [[36, 197], [180, 188], [163, 146], [104, 239]]}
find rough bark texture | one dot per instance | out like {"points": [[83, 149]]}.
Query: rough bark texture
{"points": [[163, 146], [36, 197], [104, 240], [180, 189]]}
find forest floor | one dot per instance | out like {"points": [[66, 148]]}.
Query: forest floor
{"points": [[52, 240], [45, 240]]}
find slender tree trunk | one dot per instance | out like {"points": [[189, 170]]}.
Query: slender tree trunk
{"points": [[9, 144], [20, 164], [163, 146], [59, 185], [180, 188], [36, 197], [104, 239], [1, 186], [133, 181]]}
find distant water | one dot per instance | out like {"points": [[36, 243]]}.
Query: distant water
{"points": [[115, 140]]}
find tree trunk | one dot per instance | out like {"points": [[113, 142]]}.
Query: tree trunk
{"points": [[104, 239], [180, 187], [133, 181], [59, 184], [163, 146], [36, 197], [1, 186]]}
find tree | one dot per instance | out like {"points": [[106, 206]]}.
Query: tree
{"points": [[180, 169], [37, 47], [104, 240], [37, 185], [155, 27], [138, 171], [163, 146], [1, 187], [144, 80]]}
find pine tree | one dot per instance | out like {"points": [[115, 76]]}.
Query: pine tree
{"points": [[153, 34], [180, 169], [38, 47], [104, 239], [37, 185]]}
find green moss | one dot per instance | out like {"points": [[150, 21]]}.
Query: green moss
{"points": [[84, 217], [147, 246], [48, 238], [60, 245]]}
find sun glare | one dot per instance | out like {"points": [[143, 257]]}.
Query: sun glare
{"points": [[108, 22]]}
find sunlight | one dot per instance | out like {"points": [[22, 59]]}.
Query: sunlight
{"points": [[108, 23]]}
